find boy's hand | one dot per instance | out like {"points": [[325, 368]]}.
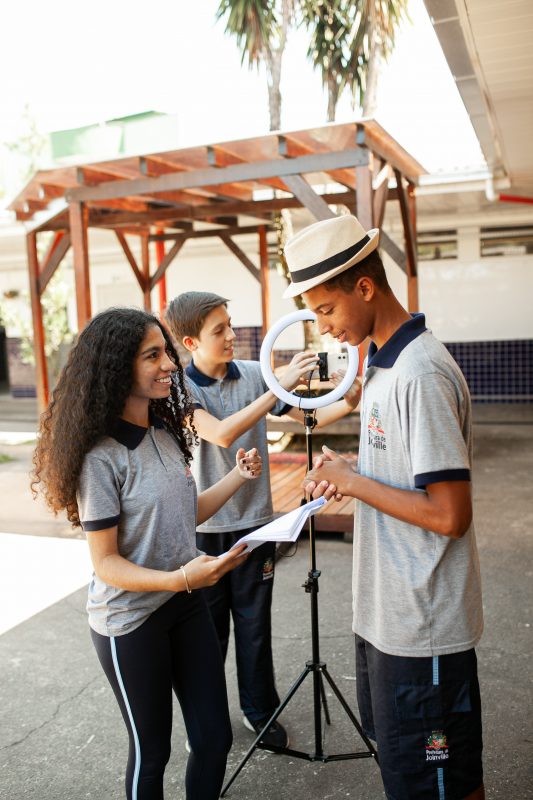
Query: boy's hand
{"points": [[353, 395], [249, 464], [299, 370], [330, 477]]}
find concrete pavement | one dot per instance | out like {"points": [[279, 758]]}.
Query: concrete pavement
{"points": [[61, 735]]}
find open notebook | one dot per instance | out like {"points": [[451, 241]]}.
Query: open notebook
{"points": [[283, 529]]}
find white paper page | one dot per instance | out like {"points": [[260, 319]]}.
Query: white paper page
{"points": [[283, 529]]}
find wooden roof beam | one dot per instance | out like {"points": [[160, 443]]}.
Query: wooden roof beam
{"points": [[206, 234], [222, 157], [255, 208], [158, 167], [126, 204], [383, 148], [211, 176], [290, 148]]}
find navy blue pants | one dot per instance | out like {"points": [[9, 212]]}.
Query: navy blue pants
{"points": [[176, 648], [425, 715], [246, 594]]}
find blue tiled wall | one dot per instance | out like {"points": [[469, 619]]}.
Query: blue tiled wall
{"points": [[496, 371]]}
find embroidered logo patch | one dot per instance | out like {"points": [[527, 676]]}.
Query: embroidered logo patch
{"points": [[437, 747], [268, 569], [376, 434]]}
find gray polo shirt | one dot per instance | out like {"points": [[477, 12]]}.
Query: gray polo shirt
{"points": [[243, 383], [138, 480], [415, 592]]}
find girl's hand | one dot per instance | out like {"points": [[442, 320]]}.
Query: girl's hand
{"points": [[249, 463], [207, 570]]}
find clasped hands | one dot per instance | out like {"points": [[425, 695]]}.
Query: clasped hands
{"points": [[332, 476]]}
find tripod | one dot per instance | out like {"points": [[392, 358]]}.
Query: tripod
{"points": [[315, 666]]}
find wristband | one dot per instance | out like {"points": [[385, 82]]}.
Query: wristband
{"points": [[189, 590]]}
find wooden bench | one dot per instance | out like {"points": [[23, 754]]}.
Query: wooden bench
{"points": [[287, 471]]}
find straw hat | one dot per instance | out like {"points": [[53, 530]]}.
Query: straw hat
{"points": [[320, 251]]}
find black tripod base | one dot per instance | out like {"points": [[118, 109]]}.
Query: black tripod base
{"points": [[320, 671]]}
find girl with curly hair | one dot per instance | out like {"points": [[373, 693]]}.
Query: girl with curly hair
{"points": [[114, 452]]}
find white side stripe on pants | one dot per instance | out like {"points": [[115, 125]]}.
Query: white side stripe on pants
{"points": [[440, 771], [132, 723]]}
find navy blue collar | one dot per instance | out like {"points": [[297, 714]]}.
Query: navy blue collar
{"points": [[200, 379], [386, 356], [130, 435]]}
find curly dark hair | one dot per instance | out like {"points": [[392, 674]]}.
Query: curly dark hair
{"points": [[90, 396]]}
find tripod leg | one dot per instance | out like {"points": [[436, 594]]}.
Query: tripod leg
{"points": [[292, 691], [350, 713], [324, 700]]}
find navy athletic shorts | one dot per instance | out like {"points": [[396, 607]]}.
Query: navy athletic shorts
{"points": [[425, 715]]}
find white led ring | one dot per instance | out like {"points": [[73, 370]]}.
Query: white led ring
{"points": [[273, 383]]}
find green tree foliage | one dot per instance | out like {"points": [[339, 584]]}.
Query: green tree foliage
{"points": [[58, 334], [261, 28], [349, 42]]}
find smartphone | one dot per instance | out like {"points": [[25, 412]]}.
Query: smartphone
{"points": [[331, 362]]}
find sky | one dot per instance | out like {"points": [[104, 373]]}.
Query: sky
{"points": [[79, 63]]}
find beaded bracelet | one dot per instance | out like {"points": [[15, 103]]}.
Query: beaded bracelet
{"points": [[189, 590]]}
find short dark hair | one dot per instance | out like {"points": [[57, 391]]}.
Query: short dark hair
{"points": [[371, 267], [185, 315]]}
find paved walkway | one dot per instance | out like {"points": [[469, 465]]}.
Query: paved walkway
{"points": [[61, 737]]}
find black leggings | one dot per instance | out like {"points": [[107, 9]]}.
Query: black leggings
{"points": [[176, 648]]}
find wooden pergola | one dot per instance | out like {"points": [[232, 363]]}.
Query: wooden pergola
{"points": [[236, 187]]}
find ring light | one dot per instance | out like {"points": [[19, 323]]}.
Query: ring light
{"points": [[273, 383]]}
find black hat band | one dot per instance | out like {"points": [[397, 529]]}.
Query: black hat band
{"points": [[329, 263]]}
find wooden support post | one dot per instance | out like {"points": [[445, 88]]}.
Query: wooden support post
{"points": [[265, 280], [364, 198], [41, 372], [162, 283], [78, 215], [412, 286], [145, 257]]}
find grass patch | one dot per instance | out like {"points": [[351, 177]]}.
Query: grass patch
{"points": [[5, 459]]}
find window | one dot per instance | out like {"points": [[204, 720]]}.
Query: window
{"points": [[435, 245], [516, 240]]}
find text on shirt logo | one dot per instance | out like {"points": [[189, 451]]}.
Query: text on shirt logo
{"points": [[376, 434]]}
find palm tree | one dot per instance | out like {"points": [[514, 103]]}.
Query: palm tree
{"points": [[349, 42], [261, 28]]}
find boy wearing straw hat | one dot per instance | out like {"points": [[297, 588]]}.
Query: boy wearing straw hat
{"points": [[417, 612]]}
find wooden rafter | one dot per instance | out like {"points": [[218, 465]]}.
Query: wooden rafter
{"points": [[410, 244], [165, 262], [241, 255], [308, 197], [131, 259], [56, 253]]}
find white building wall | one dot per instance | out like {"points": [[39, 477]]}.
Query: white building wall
{"points": [[468, 299]]}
